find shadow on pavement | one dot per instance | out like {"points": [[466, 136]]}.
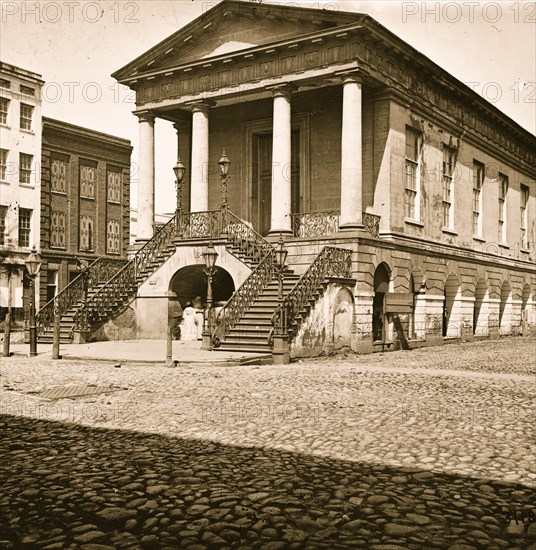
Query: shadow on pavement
{"points": [[72, 486]]}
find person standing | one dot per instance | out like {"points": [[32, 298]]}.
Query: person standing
{"points": [[189, 328]]}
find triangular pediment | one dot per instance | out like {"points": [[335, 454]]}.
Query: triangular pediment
{"points": [[233, 26]]}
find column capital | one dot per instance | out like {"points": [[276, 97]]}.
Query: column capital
{"points": [[351, 76], [282, 90], [201, 106], [145, 116]]}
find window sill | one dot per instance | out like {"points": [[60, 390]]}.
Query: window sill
{"points": [[27, 185], [87, 198], [449, 231], [479, 238], [504, 245], [64, 193], [413, 222], [52, 247], [7, 126], [525, 250], [114, 202], [31, 132], [4, 182]]}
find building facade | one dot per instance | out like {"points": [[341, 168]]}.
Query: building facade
{"points": [[405, 200], [20, 183], [85, 197]]}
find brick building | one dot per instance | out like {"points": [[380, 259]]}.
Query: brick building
{"points": [[20, 154], [85, 197], [406, 201]]}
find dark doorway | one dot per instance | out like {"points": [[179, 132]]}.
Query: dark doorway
{"points": [[261, 190], [382, 276]]}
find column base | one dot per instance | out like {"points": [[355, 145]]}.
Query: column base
{"points": [[81, 336], [354, 226], [206, 343], [282, 232]]}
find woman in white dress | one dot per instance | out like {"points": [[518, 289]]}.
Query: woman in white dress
{"points": [[189, 329]]}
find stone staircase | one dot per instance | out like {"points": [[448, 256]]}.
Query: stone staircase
{"points": [[253, 331]]}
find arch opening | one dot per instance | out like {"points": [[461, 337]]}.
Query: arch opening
{"points": [[382, 280]]}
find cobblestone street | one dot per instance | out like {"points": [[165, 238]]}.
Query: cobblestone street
{"points": [[430, 448]]}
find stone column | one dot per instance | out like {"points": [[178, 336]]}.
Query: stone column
{"points": [[281, 164], [145, 227], [199, 168], [351, 155]]}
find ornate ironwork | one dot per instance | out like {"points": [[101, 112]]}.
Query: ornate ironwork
{"points": [[371, 223], [197, 225], [100, 271], [315, 224], [244, 237], [120, 288], [331, 262], [244, 297]]}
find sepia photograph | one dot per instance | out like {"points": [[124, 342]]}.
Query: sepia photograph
{"points": [[267, 274]]}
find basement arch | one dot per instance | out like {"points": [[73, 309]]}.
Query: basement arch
{"points": [[191, 281], [452, 307], [382, 281], [480, 311]]}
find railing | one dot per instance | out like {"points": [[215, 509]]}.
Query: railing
{"points": [[371, 223], [244, 237], [325, 224], [196, 225], [244, 297], [331, 262], [315, 224], [124, 283], [100, 271]]}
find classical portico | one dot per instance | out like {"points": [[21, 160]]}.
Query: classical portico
{"points": [[196, 90]]}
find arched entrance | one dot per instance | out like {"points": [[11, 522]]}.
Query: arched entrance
{"points": [[191, 281], [505, 309], [526, 306], [382, 278], [452, 307], [416, 319], [480, 311]]}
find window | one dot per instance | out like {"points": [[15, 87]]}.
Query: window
{"points": [[3, 164], [86, 233], [113, 237], [26, 90], [59, 175], [503, 191], [524, 211], [448, 187], [25, 168], [25, 221], [57, 230], [412, 174], [114, 186], [478, 181], [3, 214], [87, 182], [4, 109], [5, 83], [26, 112]]}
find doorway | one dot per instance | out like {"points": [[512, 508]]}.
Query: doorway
{"points": [[261, 188]]}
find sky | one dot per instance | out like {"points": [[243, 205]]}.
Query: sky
{"points": [[76, 45]]}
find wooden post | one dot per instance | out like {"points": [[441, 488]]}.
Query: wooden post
{"points": [[56, 337], [7, 322]]}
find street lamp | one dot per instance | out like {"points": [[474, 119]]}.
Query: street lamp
{"points": [[33, 264], [280, 257], [179, 170], [224, 163], [210, 256]]}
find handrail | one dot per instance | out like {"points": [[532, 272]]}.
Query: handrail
{"points": [[244, 297], [99, 271], [244, 237], [124, 281], [330, 262]]}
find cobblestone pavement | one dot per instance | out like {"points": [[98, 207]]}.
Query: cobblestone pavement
{"points": [[432, 448]]}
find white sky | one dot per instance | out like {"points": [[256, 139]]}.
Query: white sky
{"points": [[75, 47]]}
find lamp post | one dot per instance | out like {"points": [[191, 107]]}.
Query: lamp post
{"points": [[224, 163], [179, 170], [210, 256], [281, 351], [33, 265]]}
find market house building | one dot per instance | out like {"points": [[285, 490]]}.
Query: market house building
{"points": [[405, 200]]}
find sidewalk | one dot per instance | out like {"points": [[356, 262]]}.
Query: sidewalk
{"points": [[144, 351]]}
